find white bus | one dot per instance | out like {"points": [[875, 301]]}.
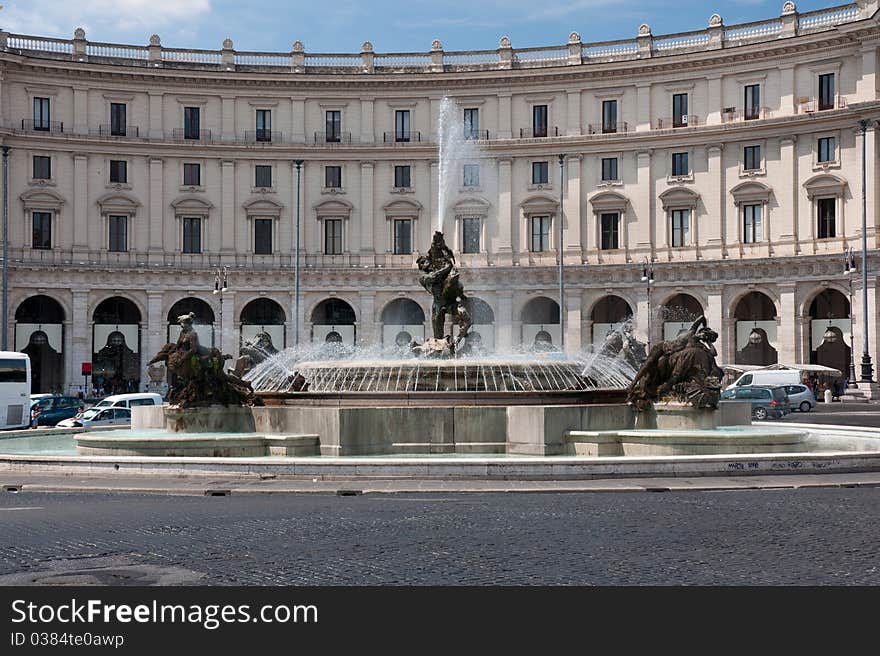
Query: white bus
{"points": [[15, 390]]}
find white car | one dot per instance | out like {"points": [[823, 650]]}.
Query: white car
{"points": [[800, 397], [94, 417]]}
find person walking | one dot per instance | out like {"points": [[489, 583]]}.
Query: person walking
{"points": [[35, 415]]}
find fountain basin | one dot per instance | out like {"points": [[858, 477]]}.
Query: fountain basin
{"points": [[180, 444]]}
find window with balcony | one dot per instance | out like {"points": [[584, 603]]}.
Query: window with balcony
{"points": [[117, 119], [192, 234], [471, 175], [751, 158], [609, 169], [191, 123], [333, 126], [609, 116], [42, 167], [402, 236], [540, 173], [41, 114], [263, 236], [42, 235], [333, 177], [752, 223], [827, 150], [539, 121], [679, 110], [680, 164], [752, 102], [470, 242], [263, 125], [118, 242], [333, 236], [402, 177], [680, 227], [262, 175], [402, 131], [192, 175], [119, 171], [609, 238], [827, 214], [472, 123], [826, 91], [539, 234]]}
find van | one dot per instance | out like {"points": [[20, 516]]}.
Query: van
{"points": [[130, 400], [768, 377]]}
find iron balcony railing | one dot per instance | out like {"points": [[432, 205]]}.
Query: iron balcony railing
{"points": [[182, 134], [731, 114], [332, 137], [538, 132], [53, 127], [476, 134], [263, 136], [608, 128], [683, 121], [105, 130], [402, 136]]}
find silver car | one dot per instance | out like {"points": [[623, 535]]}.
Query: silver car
{"points": [[94, 417], [800, 397]]}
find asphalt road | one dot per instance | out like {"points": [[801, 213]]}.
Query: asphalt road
{"points": [[788, 537], [843, 414]]}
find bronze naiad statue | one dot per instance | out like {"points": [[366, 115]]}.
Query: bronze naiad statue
{"points": [[253, 352], [197, 374], [682, 369], [441, 278]]}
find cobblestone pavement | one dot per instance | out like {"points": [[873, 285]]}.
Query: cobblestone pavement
{"points": [[807, 536]]}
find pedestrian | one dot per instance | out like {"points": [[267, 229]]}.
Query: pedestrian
{"points": [[835, 390], [35, 415]]}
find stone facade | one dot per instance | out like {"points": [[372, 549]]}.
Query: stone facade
{"points": [[59, 108]]}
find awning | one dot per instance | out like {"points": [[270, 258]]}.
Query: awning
{"points": [[811, 368]]}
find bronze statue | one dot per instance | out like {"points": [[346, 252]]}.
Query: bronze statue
{"points": [[198, 376], [253, 352], [682, 369]]}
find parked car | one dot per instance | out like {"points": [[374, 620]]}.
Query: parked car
{"points": [[130, 400], [54, 407], [768, 377], [800, 397], [96, 416], [767, 402]]}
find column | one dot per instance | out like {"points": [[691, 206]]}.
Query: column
{"points": [[573, 304], [228, 336], [298, 120], [227, 120], [644, 308], [573, 127], [789, 343], [715, 318], [504, 338], [572, 208], [787, 195], [504, 116], [80, 342], [82, 240], [643, 104], [368, 254], [80, 110], [227, 210], [641, 236], [368, 327], [712, 230], [714, 104], [503, 249], [156, 129], [155, 335], [156, 211], [368, 130]]}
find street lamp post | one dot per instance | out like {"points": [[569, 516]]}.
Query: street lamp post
{"points": [[5, 247], [221, 284], [849, 267], [867, 366], [561, 279], [648, 279], [299, 164]]}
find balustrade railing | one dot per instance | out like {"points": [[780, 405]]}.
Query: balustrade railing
{"points": [[182, 134], [263, 136], [539, 133], [685, 121], [106, 130], [610, 128], [52, 127], [332, 137], [402, 136]]}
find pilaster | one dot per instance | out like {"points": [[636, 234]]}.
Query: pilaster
{"points": [[82, 240], [572, 208], [504, 320], [155, 112], [504, 116], [80, 110], [156, 210], [788, 337], [227, 227], [81, 339], [573, 127], [503, 247], [367, 246], [155, 336]]}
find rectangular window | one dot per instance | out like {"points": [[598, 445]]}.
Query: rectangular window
{"points": [[472, 123], [826, 91], [471, 234], [827, 210], [192, 235], [609, 116], [680, 164], [41, 114], [117, 119], [118, 171], [752, 102], [401, 125], [751, 158], [42, 167], [333, 125], [42, 230], [539, 120], [402, 179], [540, 172], [680, 227], [540, 234], [827, 149], [609, 169], [262, 236], [752, 223], [679, 110], [333, 177], [402, 236], [264, 125], [333, 236], [192, 175], [471, 175], [262, 175], [118, 234], [610, 224], [191, 123]]}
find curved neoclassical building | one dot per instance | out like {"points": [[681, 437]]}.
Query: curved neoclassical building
{"points": [[725, 163]]}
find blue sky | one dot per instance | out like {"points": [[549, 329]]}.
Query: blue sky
{"points": [[342, 25]]}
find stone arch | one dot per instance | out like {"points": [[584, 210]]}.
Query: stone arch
{"points": [[201, 308], [608, 313], [754, 313], [400, 317], [263, 315], [116, 345], [830, 332], [678, 312], [541, 328], [39, 332]]}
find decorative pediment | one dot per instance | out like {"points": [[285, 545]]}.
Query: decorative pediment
{"points": [[191, 205], [42, 200], [540, 204], [825, 184], [262, 207], [403, 207], [609, 201], [751, 192], [118, 203], [678, 198], [471, 206], [335, 207]]}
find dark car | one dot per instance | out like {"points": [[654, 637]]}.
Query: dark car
{"points": [[767, 402], [55, 407]]}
